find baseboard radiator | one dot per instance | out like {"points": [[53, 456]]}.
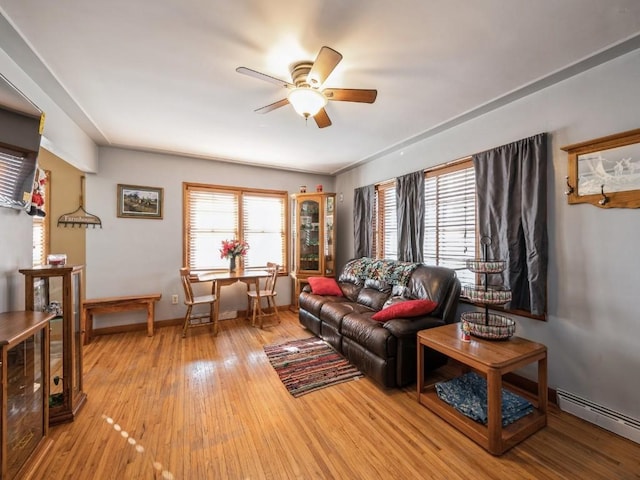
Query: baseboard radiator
{"points": [[602, 416]]}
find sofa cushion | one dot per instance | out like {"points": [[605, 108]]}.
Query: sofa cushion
{"points": [[377, 284], [371, 335], [313, 303], [432, 283], [333, 312], [405, 309], [373, 298], [350, 290], [324, 286]]}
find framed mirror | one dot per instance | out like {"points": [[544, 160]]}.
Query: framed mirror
{"points": [[606, 171]]}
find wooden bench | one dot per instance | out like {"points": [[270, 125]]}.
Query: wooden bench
{"points": [[117, 304]]}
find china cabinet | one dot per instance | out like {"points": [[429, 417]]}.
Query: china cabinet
{"points": [[57, 289], [314, 220], [24, 340]]}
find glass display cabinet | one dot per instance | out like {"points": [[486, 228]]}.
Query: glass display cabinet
{"points": [[24, 339], [57, 289], [314, 220]]}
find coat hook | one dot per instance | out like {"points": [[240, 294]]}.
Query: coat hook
{"points": [[604, 198], [569, 189]]}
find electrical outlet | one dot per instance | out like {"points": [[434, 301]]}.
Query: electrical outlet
{"points": [[174, 299]]}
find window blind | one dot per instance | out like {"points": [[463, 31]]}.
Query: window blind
{"points": [[264, 228], [450, 220], [386, 238], [41, 224], [39, 242], [212, 216]]}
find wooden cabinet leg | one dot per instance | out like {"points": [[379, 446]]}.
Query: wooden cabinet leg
{"points": [[494, 410], [420, 369]]}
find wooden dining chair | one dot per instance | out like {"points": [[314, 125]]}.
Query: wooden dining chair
{"points": [[192, 319], [268, 292]]}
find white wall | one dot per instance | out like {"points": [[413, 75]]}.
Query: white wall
{"points": [[16, 251], [593, 327], [131, 256]]}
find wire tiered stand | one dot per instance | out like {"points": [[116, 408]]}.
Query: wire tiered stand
{"points": [[484, 324]]}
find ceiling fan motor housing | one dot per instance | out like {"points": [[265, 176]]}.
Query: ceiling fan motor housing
{"points": [[299, 73]]}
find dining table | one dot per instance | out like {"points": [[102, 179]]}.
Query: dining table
{"points": [[223, 278]]}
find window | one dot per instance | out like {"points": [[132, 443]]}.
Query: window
{"points": [[449, 222], [386, 233], [41, 224], [215, 213]]}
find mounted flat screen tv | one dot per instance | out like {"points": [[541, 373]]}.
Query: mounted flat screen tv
{"points": [[20, 135]]}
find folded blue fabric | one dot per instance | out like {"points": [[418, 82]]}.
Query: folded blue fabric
{"points": [[468, 395]]}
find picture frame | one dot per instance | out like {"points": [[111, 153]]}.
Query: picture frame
{"points": [[135, 201], [605, 172]]}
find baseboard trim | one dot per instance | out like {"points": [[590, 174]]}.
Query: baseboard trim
{"points": [[134, 327]]}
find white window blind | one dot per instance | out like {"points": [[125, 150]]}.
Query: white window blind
{"points": [[450, 218], [214, 214], [265, 229], [386, 238], [39, 242], [41, 227]]}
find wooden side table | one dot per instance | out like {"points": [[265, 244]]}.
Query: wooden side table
{"points": [[492, 359]]}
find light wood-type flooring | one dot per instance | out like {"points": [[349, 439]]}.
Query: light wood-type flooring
{"points": [[208, 407]]}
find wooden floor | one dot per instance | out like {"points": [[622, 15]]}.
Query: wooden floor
{"points": [[164, 407]]}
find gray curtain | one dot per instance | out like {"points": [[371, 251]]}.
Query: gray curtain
{"points": [[511, 184], [363, 201], [410, 211]]}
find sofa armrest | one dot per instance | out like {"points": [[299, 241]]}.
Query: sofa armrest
{"points": [[409, 327]]}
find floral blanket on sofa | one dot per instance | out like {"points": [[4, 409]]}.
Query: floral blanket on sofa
{"points": [[392, 272]]}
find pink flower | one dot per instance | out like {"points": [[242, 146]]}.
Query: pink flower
{"points": [[233, 248]]}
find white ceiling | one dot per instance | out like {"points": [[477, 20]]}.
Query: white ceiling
{"points": [[160, 75]]}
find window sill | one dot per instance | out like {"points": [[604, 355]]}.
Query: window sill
{"points": [[520, 313]]}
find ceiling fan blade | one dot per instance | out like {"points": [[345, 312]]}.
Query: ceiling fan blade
{"points": [[265, 77], [350, 95], [273, 106], [322, 119], [326, 61]]}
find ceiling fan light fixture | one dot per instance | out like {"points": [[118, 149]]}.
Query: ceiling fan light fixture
{"points": [[307, 101]]}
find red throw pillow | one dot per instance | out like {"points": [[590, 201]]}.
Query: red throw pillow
{"points": [[406, 309], [325, 286]]}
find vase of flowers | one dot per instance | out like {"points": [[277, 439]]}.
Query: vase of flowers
{"points": [[232, 249]]}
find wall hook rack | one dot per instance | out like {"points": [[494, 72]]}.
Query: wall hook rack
{"points": [[80, 216], [604, 198], [569, 189]]}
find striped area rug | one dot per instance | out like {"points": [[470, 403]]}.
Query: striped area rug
{"points": [[310, 364]]}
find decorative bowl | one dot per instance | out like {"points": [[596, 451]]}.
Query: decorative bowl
{"points": [[57, 259], [496, 327]]}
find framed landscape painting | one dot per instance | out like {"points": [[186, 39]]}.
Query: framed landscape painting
{"points": [[135, 201]]}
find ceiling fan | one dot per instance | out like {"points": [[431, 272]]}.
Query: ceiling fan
{"points": [[306, 94]]}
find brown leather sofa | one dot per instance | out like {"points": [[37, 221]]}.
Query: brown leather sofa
{"points": [[384, 351]]}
